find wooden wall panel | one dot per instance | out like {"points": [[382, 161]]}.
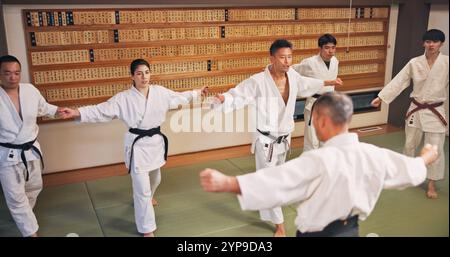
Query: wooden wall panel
{"points": [[82, 56]]}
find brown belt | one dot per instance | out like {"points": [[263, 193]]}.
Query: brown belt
{"points": [[431, 107]]}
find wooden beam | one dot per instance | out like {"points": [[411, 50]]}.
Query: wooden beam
{"points": [[233, 3]]}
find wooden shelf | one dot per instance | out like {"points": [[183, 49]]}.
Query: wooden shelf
{"points": [[160, 60], [194, 41], [111, 27], [67, 73]]}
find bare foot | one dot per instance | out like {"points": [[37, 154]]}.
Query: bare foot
{"points": [[279, 230], [149, 234], [431, 192], [154, 202]]}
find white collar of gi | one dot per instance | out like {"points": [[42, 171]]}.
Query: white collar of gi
{"points": [[133, 88], [342, 139]]}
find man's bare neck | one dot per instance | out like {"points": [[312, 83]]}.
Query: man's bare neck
{"points": [[11, 91], [277, 75], [432, 57]]}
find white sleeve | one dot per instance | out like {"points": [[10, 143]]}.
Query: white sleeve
{"points": [[401, 81], [303, 68], [271, 187], [44, 108], [240, 96], [403, 171], [309, 86], [102, 112], [177, 98]]}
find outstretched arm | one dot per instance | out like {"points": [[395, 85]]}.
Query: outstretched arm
{"points": [[309, 86], [396, 86], [268, 188], [180, 98], [238, 97], [403, 171], [68, 113], [46, 109], [102, 112]]}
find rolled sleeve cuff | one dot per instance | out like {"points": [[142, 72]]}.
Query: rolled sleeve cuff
{"points": [[384, 98], [244, 197], [52, 109], [418, 176], [82, 115], [195, 94]]}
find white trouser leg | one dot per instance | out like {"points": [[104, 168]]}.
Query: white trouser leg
{"points": [[437, 168], [143, 189], [20, 195], [412, 141], [34, 185], [274, 215], [155, 180], [310, 140]]}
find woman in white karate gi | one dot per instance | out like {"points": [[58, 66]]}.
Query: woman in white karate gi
{"points": [[426, 113], [143, 109], [273, 92], [333, 186], [20, 153], [321, 66]]}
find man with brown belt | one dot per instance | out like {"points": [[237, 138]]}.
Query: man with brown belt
{"points": [[429, 73]]}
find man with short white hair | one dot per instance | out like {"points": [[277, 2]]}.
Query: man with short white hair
{"points": [[333, 186]]}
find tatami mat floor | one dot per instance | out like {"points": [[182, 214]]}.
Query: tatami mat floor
{"points": [[105, 207]]}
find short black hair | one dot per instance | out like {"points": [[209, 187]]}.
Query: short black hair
{"points": [[325, 39], [278, 44], [134, 64], [9, 58], [434, 35]]}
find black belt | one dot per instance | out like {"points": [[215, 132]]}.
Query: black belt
{"points": [[147, 133], [335, 228], [277, 140], [25, 147]]}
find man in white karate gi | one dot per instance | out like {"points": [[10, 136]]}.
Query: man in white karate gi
{"points": [[324, 66], [273, 92], [333, 186], [20, 154], [426, 113]]}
